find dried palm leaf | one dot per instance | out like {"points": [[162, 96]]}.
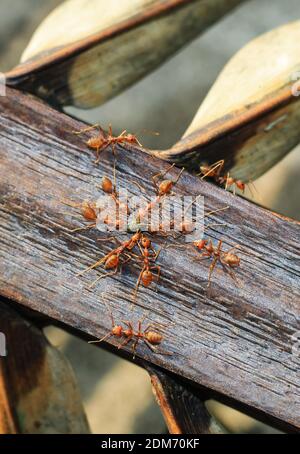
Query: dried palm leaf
{"points": [[251, 116], [88, 51]]}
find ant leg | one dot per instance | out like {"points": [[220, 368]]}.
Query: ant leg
{"points": [[140, 322], [227, 269], [162, 174], [158, 268], [138, 142], [216, 211], [70, 203], [79, 229], [98, 150], [213, 168], [205, 255], [112, 273], [134, 347], [153, 178], [125, 342], [178, 176], [226, 181], [109, 239], [216, 224], [97, 160], [114, 176], [211, 268], [219, 247], [236, 246], [155, 349], [124, 263], [137, 185], [178, 245], [156, 253], [128, 324], [138, 284], [89, 128], [140, 248], [99, 262], [110, 314], [158, 326], [138, 257], [102, 339]]}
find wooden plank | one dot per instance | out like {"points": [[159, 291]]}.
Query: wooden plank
{"points": [[38, 391], [182, 407], [235, 340]]}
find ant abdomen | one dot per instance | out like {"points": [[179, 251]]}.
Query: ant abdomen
{"points": [[153, 337]]}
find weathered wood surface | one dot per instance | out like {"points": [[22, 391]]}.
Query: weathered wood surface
{"points": [[181, 405], [236, 341], [38, 391]]}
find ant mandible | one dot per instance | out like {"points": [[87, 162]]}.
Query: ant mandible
{"points": [[227, 259], [103, 140], [150, 337]]}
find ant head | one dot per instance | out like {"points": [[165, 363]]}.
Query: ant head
{"points": [[153, 337], [107, 185], [112, 262], [200, 244], [117, 330], [146, 242], [135, 237], [240, 184], [131, 138], [165, 187], [147, 278]]}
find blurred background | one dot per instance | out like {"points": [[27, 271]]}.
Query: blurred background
{"points": [[117, 395]]}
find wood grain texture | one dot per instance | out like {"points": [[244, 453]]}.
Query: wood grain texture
{"points": [[235, 340], [183, 409], [38, 392]]}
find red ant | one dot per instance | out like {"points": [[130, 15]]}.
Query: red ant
{"points": [[165, 186], [227, 259], [151, 338], [214, 171], [88, 211], [104, 140], [110, 187], [112, 259], [148, 256], [162, 189]]}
